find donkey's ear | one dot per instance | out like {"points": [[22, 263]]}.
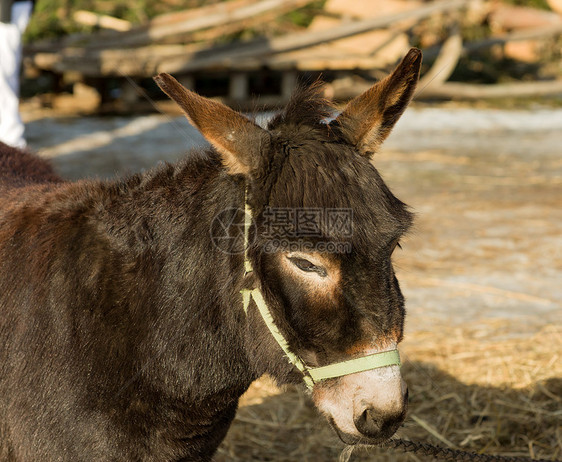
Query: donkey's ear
{"points": [[368, 119], [236, 138]]}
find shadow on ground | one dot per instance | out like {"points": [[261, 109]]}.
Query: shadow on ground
{"points": [[444, 411]]}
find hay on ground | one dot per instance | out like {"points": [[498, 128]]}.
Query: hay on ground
{"points": [[478, 388]]}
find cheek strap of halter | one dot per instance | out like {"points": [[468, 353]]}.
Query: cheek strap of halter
{"points": [[311, 375]]}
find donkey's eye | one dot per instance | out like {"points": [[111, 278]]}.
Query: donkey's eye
{"points": [[309, 267], [395, 244]]}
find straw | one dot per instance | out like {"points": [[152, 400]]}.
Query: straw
{"points": [[479, 388]]}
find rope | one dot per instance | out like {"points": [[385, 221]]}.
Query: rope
{"points": [[455, 455]]}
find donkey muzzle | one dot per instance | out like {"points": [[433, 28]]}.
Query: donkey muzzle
{"points": [[365, 407]]}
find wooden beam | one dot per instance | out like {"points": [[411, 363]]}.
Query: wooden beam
{"points": [[229, 56], [225, 16], [445, 63], [465, 91], [184, 23], [519, 36], [89, 18], [145, 61], [461, 91]]}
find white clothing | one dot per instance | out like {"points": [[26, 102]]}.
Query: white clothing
{"points": [[11, 125]]}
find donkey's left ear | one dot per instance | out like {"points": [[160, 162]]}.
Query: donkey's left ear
{"points": [[239, 140], [368, 119]]}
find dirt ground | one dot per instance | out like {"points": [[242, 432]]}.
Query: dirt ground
{"points": [[486, 186]]}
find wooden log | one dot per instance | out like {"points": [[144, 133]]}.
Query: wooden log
{"points": [[445, 63], [511, 17], [194, 13], [231, 56], [101, 20], [555, 5], [386, 45], [109, 38], [465, 91], [142, 62], [226, 17], [145, 61], [185, 23], [527, 34], [349, 88], [314, 60], [479, 45]]}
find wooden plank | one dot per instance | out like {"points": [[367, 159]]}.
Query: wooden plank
{"points": [[388, 44], [528, 34], [555, 5], [89, 18], [233, 15], [460, 91], [214, 16], [107, 39], [465, 91], [445, 63], [304, 60], [142, 62], [519, 36], [146, 61], [513, 17], [230, 56], [193, 13]]}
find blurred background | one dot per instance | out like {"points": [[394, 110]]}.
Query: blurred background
{"points": [[239, 48], [478, 157]]}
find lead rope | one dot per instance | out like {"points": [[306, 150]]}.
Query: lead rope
{"points": [[455, 455]]}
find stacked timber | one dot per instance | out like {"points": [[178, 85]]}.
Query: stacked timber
{"points": [[346, 39]]}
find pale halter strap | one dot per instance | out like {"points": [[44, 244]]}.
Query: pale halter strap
{"points": [[311, 375]]}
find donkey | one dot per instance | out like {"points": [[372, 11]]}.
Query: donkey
{"points": [[123, 332]]}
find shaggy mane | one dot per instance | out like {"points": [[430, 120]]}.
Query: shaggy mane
{"points": [[307, 106]]}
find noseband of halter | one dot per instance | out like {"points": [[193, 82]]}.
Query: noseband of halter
{"points": [[311, 375]]}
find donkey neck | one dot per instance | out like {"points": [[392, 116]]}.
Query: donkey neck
{"points": [[151, 284], [164, 221]]}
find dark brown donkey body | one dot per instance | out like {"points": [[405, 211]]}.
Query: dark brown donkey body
{"points": [[122, 330]]}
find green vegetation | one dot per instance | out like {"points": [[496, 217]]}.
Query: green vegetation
{"points": [[53, 18], [304, 16], [542, 4]]}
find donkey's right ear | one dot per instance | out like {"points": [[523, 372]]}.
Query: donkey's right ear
{"points": [[239, 140]]}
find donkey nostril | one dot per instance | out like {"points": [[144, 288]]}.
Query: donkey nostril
{"points": [[368, 422], [377, 424]]}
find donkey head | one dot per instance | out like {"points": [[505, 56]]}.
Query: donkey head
{"points": [[325, 229]]}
